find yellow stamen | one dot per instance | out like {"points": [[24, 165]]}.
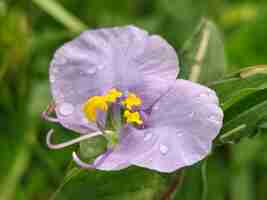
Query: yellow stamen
{"points": [[132, 117], [112, 95], [92, 105], [131, 100]]}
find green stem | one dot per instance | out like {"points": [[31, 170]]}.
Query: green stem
{"points": [[204, 180], [175, 186], [70, 174]]}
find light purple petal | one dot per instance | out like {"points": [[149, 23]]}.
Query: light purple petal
{"points": [[180, 131], [186, 121], [151, 90], [134, 142], [126, 58]]}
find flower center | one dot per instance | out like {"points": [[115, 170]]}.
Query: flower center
{"points": [[102, 103], [133, 117], [131, 101]]}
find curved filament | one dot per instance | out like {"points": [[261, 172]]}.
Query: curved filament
{"points": [[70, 142], [46, 116], [50, 109], [81, 163], [93, 165]]}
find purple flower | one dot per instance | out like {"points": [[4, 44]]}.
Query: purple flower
{"points": [[159, 122]]}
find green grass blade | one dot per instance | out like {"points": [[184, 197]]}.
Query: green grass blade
{"points": [[61, 15]]}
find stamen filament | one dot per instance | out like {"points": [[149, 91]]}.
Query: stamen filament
{"points": [[70, 142], [46, 116], [82, 164]]}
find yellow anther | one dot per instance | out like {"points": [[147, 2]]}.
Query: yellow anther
{"points": [[112, 95], [92, 105], [131, 100], [132, 117]]}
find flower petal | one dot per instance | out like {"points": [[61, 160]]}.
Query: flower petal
{"points": [[186, 121], [133, 143], [181, 128], [98, 60]]}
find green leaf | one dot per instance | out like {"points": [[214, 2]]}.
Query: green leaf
{"points": [[263, 125], [232, 135], [249, 115], [240, 84], [243, 97], [39, 99], [61, 14], [132, 183], [202, 57], [243, 118]]}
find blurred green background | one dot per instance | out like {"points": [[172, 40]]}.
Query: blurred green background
{"points": [[30, 31]]}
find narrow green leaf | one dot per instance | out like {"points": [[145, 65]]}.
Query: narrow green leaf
{"points": [[202, 56], [239, 85], [243, 97], [232, 135], [250, 117], [61, 15], [263, 125], [236, 97]]}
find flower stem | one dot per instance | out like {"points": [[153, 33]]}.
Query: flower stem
{"points": [[175, 186], [204, 180]]}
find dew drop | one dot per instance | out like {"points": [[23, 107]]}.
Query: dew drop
{"points": [[52, 79], [100, 67], [185, 159], [210, 94], [163, 149], [60, 60], [203, 95], [179, 133], [191, 114], [213, 119], [66, 109], [156, 107], [55, 70], [148, 136], [91, 70]]}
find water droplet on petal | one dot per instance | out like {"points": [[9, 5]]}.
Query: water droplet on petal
{"points": [[66, 109], [179, 133], [214, 119], [91, 70], [100, 67], [191, 114], [156, 107], [148, 136], [163, 149], [55, 70], [52, 78], [210, 94], [61, 60], [203, 95]]}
